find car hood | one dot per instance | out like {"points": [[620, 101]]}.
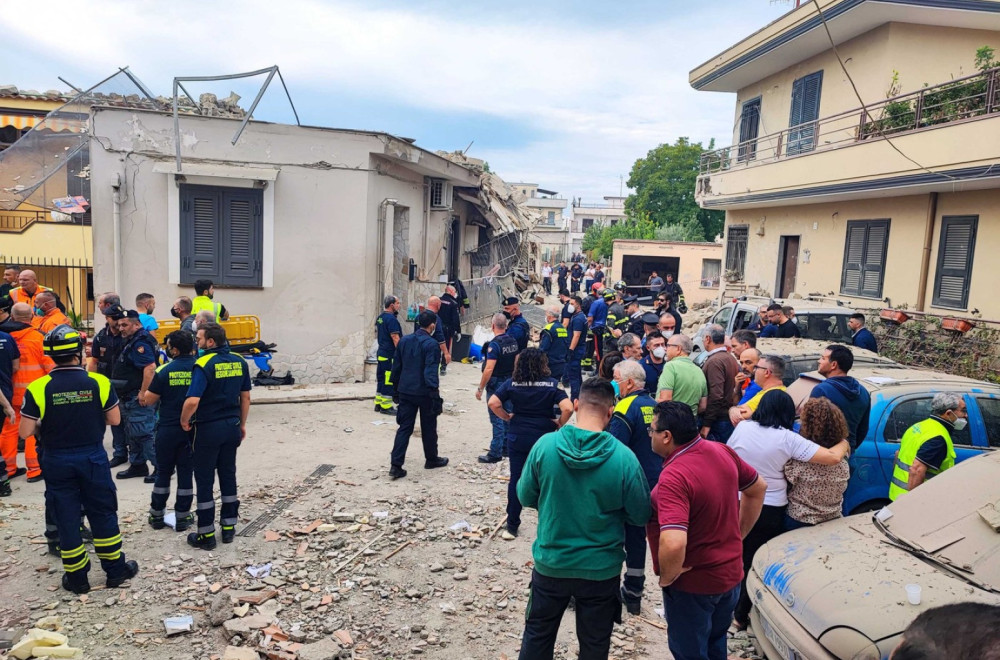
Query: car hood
{"points": [[844, 574]]}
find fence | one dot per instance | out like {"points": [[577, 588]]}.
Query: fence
{"points": [[72, 279]]}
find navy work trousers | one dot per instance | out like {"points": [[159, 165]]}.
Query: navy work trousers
{"points": [[173, 451], [214, 452], [406, 416], [498, 443], [139, 423], [574, 377]]}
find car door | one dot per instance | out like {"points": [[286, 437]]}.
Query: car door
{"points": [[988, 420], [723, 316]]}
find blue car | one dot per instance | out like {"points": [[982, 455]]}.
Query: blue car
{"points": [[901, 397]]}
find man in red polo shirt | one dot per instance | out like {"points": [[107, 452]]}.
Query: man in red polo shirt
{"points": [[696, 534]]}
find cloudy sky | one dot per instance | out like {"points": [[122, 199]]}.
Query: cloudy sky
{"points": [[566, 94]]}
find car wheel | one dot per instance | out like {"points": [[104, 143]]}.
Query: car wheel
{"points": [[872, 505]]}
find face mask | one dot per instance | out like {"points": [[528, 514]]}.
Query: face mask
{"points": [[660, 352], [614, 384], [174, 313], [960, 423], [39, 311], [507, 314]]}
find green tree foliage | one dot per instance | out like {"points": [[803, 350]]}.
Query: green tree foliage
{"points": [[688, 231], [599, 238], [664, 184]]}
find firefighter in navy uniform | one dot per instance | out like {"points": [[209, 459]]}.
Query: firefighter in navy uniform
{"points": [[389, 331], [554, 342], [131, 375], [630, 423], [217, 405], [173, 444], [69, 410], [617, 322]]}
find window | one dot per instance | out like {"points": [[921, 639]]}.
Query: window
{"points": [[864, 258], [744, 318], [736, 252], [990, 409], [722, 318], [802, 129], [587, 223], [711, 271], [552, 217], [749, 126], [908, 412], [954, 266], [221, 235]]}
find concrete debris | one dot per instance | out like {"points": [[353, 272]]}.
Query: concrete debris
{"points": [[239, 653]]}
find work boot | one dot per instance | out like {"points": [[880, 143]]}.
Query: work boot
{"points": [[35, 479], [391, 410], [203, 541], [151, 479], [17, 473], [490, 459], [228, 533], [118, 460], [134, 470], [378, 408], [78, 586], [131, 570], [54, 549], [183, 522], [444, 370], [156, 522], [397, 472], [5, 490], [440, 461], [633, 605]]}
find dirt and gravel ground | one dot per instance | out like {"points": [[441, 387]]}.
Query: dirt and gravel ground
{"points": [[385, 576]]}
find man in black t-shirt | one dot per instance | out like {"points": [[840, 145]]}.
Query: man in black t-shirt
{"points": [[787, 328]]}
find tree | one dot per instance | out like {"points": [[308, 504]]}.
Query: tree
{"points": [[599, 238], [689, 230], [664, 183]]}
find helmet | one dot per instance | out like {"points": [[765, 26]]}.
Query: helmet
{"points": [[596, 288], [608, 294], [61, 341], [621, 286]]}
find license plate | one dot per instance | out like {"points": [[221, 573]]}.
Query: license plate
{"points": [[779, 644]]}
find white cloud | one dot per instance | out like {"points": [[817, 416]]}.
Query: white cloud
{"points": [[600, 96]]}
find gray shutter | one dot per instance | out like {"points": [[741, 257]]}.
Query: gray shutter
{"points": [[201, 221], [749, 127], [805, 111], [875, 253], [854, 254], [242, 237], [954, 269]]}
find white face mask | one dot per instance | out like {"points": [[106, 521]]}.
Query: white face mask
{"points": [[960, 423], [660, 352]]}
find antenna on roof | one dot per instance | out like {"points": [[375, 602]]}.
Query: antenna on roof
{"points": [[466, 150]]}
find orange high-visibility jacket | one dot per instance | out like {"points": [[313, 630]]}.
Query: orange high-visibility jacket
{"points": [[50, 321], [34, 363], [19, 295]]}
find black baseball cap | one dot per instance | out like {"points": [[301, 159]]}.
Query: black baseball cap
{"points": [[512, 300], [650, 318], [628, 300]]}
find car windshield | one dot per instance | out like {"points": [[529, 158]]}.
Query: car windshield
{"points": [[823, 326], [953, 520]]}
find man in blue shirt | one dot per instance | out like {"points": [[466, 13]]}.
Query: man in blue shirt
{"points": [[131, 375], [416, 377], [863, 337], [497, 368], [517, 326], [145, 303], [597, 318], [388, 332], [577, 348], [173, 444], [216, 407]]}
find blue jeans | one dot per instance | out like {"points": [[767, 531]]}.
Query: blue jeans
{"points": [[498, 445], [698, 623], [792, 523], [139, 423], [721, 430], [517, 460], [119, 445]]}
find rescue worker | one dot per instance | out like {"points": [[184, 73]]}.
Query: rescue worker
{"points": [[461, 295], [575, 273], [434, 305], [27, 288], [416, 377], [204, 291], [104, 351], [217, 406], [630, 424], [173, 444], [675, 295], [388, 331], [497, 367], [32, 365], [131, 375], [617, 319], [577, 330], [649, 325], [10, 358], [517, 326], [597, 318], [634, 321], [71, 408], [554, 342], [47, 314], [10, 274], [451, 324], [926, 449]]}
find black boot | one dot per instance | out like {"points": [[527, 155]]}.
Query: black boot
{"points": [[228, 533], [5, 490], [183, 522], [156, 522], [118, 460], [131, 570], [134, 470], [203, 541], [397, 472], [79, 585]]}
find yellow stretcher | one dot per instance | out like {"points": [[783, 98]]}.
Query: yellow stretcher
{"points": [[240, 330]]}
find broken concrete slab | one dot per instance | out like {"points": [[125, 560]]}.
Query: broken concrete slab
{"points": [[240, 653]]}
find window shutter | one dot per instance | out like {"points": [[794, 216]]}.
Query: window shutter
{"points": [[749, 127], [200, 229], [242, 220], [954, 269], [865, 249], [805, 111], [854, 254], [875, 250]]}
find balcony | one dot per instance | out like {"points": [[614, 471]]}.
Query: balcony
{"points": [[852, 154]]}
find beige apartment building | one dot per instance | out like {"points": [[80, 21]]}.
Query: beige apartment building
{"points": [[551, 234], [585, 215], [893, 198]]}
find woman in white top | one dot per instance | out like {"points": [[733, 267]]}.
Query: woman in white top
{"points": [[766, 441]]}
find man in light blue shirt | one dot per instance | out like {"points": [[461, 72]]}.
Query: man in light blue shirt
{"points": [[145, 303]]}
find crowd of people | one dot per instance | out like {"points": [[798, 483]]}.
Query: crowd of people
{"points": [[58, 400], [701, 463]]}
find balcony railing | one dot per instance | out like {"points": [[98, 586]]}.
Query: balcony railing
{"points": [[15, 222], [962, 99]]}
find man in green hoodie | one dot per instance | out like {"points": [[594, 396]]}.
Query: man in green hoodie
{"points": [[586, 486]]}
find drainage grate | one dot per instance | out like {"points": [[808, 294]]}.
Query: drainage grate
{"points": [[281, 505]]}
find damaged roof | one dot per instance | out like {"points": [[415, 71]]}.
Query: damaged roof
{"points": [[499, 203]]}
